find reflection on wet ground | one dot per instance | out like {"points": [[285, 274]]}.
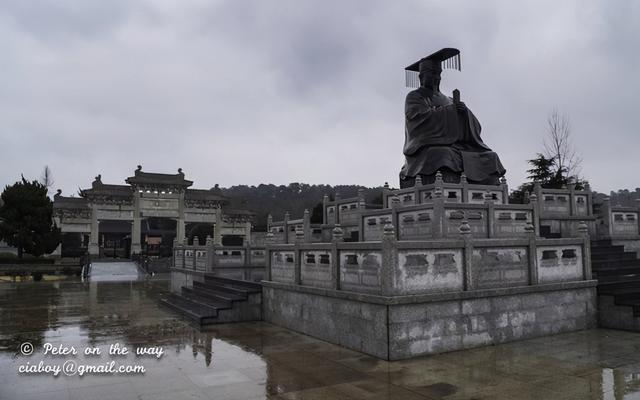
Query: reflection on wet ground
{"points": [[114, 271], [259, 360]]}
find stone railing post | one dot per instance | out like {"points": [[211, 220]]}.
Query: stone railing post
{"points": [[184, 257], [337, 237], [467, 265], [196, 243], [286, 227], [300, 235], [173, 252], [438, 208], [268, 242], [491, 216], [385, 192], [572, 198], [336, 203], [361, 199], [389, 261], [247, 255], [297, 272], [533, 253], [607, 220], [638, 215], [535, 213], [583, 231], [416, 189], [505, 190], [465, 188], [209, 249], [306, 226], [395, 204]]}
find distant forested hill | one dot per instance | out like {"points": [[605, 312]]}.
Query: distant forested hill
{"points": [[625, 197], [295, 198]]}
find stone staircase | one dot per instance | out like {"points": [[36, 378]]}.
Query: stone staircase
{"points": [[218, 300], [618, 274]]}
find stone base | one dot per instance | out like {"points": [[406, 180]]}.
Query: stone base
{"points": [[94, 249], [395, 328], [136, 248]]}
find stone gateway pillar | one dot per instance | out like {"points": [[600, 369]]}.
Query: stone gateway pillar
{"points": [[136, 248], [94, 244]]}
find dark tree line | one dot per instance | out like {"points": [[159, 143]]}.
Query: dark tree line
{"points": [[294, 198]]}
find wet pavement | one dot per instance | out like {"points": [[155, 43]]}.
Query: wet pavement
{"points": [[259, 360]]}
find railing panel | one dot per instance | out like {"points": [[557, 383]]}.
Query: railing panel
{"points": [[624, 223], [500, 267], [510, 223], [283, 265], [316, 268], [373, 226], [560, 263], [360, 270], [429, 271], [477, 220]]}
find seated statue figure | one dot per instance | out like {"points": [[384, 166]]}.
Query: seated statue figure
{"points": [[441, 133]]}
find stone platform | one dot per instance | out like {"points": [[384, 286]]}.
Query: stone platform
{"points": [[395, 328]]}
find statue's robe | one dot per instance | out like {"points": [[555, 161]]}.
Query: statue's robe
{"points": [[439, 137]]}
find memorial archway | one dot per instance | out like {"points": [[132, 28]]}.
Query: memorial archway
{"points": [[157, 235], [114, 238]]}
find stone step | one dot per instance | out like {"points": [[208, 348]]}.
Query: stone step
{"points": [[623, 271], [634, 304], [206, 297], [189, 309], [618, 278], [628, 294], [226, 296], [251, 287], [205, 309], [221, 288], [607, 249], [627, 255], [612, 284], [218, 300], [601, 242]]}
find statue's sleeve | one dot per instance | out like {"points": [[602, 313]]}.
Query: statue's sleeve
{"points": [[416, 105], [427, 125]]}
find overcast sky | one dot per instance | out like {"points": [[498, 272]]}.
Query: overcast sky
{"points": [[249, 92]]}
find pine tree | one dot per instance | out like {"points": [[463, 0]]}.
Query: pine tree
{"points": [[26, 218]]}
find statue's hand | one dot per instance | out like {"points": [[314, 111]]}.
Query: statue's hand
{"points": [[460, 106]]}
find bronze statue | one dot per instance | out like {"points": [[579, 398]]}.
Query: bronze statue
{"points": [[441, 133]]}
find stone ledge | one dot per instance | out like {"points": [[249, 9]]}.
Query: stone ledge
{"points": [[435, 297], [189, 271]]}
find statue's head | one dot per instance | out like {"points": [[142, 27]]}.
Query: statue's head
{"points": [[426, 71], [430, 73]]}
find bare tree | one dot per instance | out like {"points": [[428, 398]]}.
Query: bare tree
{"points": [[559, 146], [47, 178]]}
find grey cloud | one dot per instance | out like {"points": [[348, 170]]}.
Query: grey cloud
{"points": [[252, 91]]}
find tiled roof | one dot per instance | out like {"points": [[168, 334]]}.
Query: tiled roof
{"points": [[149, 178]]}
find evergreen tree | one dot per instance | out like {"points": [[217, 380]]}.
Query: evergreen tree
{"points": [[26, 218], [542, 169]]}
